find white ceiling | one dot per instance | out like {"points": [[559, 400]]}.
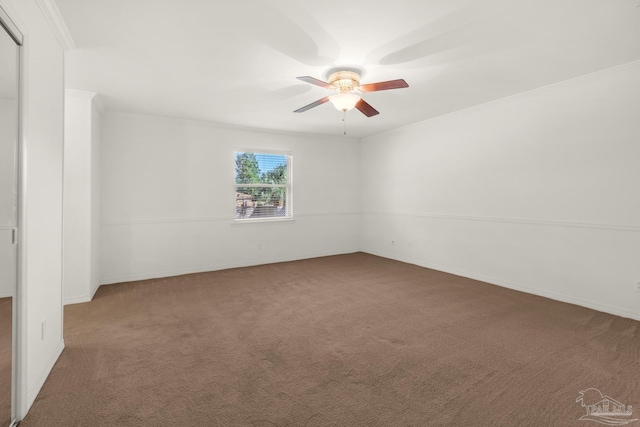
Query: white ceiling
{"points": [[236, 62]]}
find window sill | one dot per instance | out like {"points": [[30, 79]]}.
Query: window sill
{"points": [[288, 220]]}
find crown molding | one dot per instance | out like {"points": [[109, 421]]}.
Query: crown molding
{"points": [[54, 18], [219, 125], [9, 25], [506, 99]]}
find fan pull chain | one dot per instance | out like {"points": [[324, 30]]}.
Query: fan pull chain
{"points": [[344, 121]]}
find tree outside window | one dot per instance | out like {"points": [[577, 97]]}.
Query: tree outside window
{"points": [[262, 184]]}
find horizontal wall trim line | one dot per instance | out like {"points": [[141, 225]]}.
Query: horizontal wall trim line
{"points": [[222, 266], [229, 219], [165, 221], [531, 221], [80, 94], [92, 97], [594, 305]]}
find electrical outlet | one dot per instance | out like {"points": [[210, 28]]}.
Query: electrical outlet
{"points": [[42, 330]]}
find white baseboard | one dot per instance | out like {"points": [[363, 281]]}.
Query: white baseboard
{"points": [[33, 391], [6, 294], [605, 308], [215, 267], [93, 291], [76, 299], [79, 299]]}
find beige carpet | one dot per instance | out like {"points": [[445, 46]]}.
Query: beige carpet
{"points": [[352, 340], [6, 310]]}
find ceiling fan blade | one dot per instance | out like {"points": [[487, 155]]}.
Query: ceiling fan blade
{"points": [[315, 81], [366, 109], [313, 104], [391, 84]]}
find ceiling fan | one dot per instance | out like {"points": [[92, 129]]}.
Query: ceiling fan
{"points": [[347, 86]]}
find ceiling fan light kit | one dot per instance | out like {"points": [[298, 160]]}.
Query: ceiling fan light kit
{"points": [[347, 86], [344, 101], [346, 83]]}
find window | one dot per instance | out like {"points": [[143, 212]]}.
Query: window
{"points": [[263, 185]]}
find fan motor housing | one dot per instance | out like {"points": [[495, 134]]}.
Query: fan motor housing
{"points": [[345, 81]]}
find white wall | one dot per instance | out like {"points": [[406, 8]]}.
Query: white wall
{"points": [[537, 192], [8, 174], [96, 197], [8, 200], [81, 270], [40, 295], [8, 260], [168, 198]]}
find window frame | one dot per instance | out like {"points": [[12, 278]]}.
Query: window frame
{"points": [[288, 217]]}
